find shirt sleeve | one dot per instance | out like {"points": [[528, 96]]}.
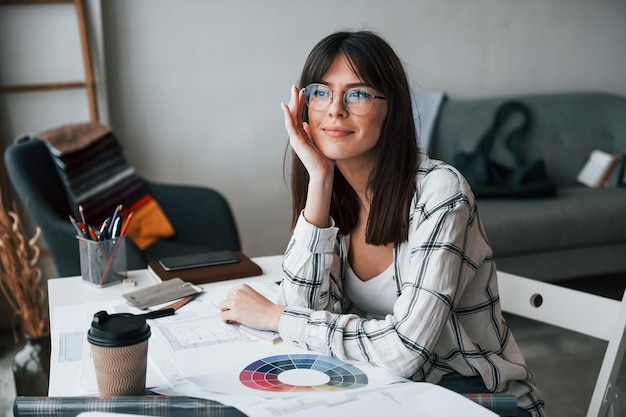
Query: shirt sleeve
{"points": [[311, 267], [429, 272]]}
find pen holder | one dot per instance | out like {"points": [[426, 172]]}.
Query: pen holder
{"points": [[103, 263]]}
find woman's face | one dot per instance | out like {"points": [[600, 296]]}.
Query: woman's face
{"points": [[338, 134]]}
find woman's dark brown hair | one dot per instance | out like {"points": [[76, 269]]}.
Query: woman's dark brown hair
{"points": [[392, 181]]}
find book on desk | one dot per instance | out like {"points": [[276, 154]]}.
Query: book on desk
{"points": [[207, 274]]}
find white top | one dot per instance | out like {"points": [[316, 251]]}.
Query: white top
{"points": [[376, 296]]}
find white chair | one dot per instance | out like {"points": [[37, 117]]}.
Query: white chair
{"points": [[585, 313]]}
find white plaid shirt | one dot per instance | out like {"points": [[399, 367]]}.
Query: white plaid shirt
{"points": [[447, 316]]}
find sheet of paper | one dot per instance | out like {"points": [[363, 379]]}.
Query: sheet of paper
{"points": [[398, 400], [195, 347], [194, 353], [71, 354]]}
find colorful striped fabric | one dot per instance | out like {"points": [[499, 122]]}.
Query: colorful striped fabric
{"points": [[97, 176], [151, 405], [158, 405]]}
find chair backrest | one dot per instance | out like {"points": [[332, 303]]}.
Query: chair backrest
{"points": [[39, 188], [36, 180], [585, 313]]}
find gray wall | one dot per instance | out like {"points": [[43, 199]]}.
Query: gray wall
{"points": [[194, 87]]}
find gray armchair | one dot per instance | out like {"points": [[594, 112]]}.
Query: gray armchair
{"points": [[201, 217]]}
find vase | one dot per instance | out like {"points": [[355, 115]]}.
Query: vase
{"points": [[31, 367]]}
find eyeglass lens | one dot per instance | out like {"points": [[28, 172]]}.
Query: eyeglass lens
{"points": [[358, 101]]}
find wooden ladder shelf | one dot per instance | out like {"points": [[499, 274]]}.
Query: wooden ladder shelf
{"points": [[88, 83]]}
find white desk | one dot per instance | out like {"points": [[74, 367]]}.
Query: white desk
{"points": [[67, 293], [70, 291]]}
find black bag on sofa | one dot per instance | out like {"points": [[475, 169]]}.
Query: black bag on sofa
{"points": [[492, 179]]}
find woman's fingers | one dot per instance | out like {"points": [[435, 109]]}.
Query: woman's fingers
{"points": [[290, 124], [301, 139], [298, 131], [245, 305], [293, 116], [296, 104], [307, 130]]}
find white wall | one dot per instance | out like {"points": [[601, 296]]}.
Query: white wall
{"points": [[194, 86]]}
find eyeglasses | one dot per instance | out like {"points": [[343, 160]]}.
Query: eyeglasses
{"points": [[358, 101]]}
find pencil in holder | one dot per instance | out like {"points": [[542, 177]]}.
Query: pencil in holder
{"points": [[103, 263]]}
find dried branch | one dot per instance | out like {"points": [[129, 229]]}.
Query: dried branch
{"points": [[20, 277]]}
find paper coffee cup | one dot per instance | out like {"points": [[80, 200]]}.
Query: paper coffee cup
{"points": [[119, 346]]}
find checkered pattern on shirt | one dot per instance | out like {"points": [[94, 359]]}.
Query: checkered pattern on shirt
{"points": [[447, 316]]}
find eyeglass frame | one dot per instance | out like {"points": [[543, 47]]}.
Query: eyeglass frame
{"points": [[344, 100]]}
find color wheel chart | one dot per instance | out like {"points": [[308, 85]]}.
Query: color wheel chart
{"points": [[301, 372]]}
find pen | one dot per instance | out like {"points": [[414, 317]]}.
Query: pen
{"points": [[103, 229], [116, 214], [95, 239], [83, 228], [158, 313], [92, 233], [126, 223], [109, 263], [116, 227], [82, 217], [79, 231]]}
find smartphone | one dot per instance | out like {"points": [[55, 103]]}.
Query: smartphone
{"points": [[199, 259]]}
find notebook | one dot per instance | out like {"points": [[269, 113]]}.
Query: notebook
{"points": [[206, 274]]}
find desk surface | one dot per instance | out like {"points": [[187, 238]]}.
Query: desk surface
{"points": [[65, 294], [517, 295], [72, 291]]}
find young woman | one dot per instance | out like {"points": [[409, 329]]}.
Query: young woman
{"points": [[388, 263]]}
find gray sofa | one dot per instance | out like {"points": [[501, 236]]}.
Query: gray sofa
{"points": [[579, 232]]}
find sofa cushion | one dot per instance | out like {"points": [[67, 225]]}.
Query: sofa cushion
{"points": [[575, 217], [564, 129]]}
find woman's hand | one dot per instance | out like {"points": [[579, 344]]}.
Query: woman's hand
{"points": [[246, 306], [320, 168], [317, 165]]}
